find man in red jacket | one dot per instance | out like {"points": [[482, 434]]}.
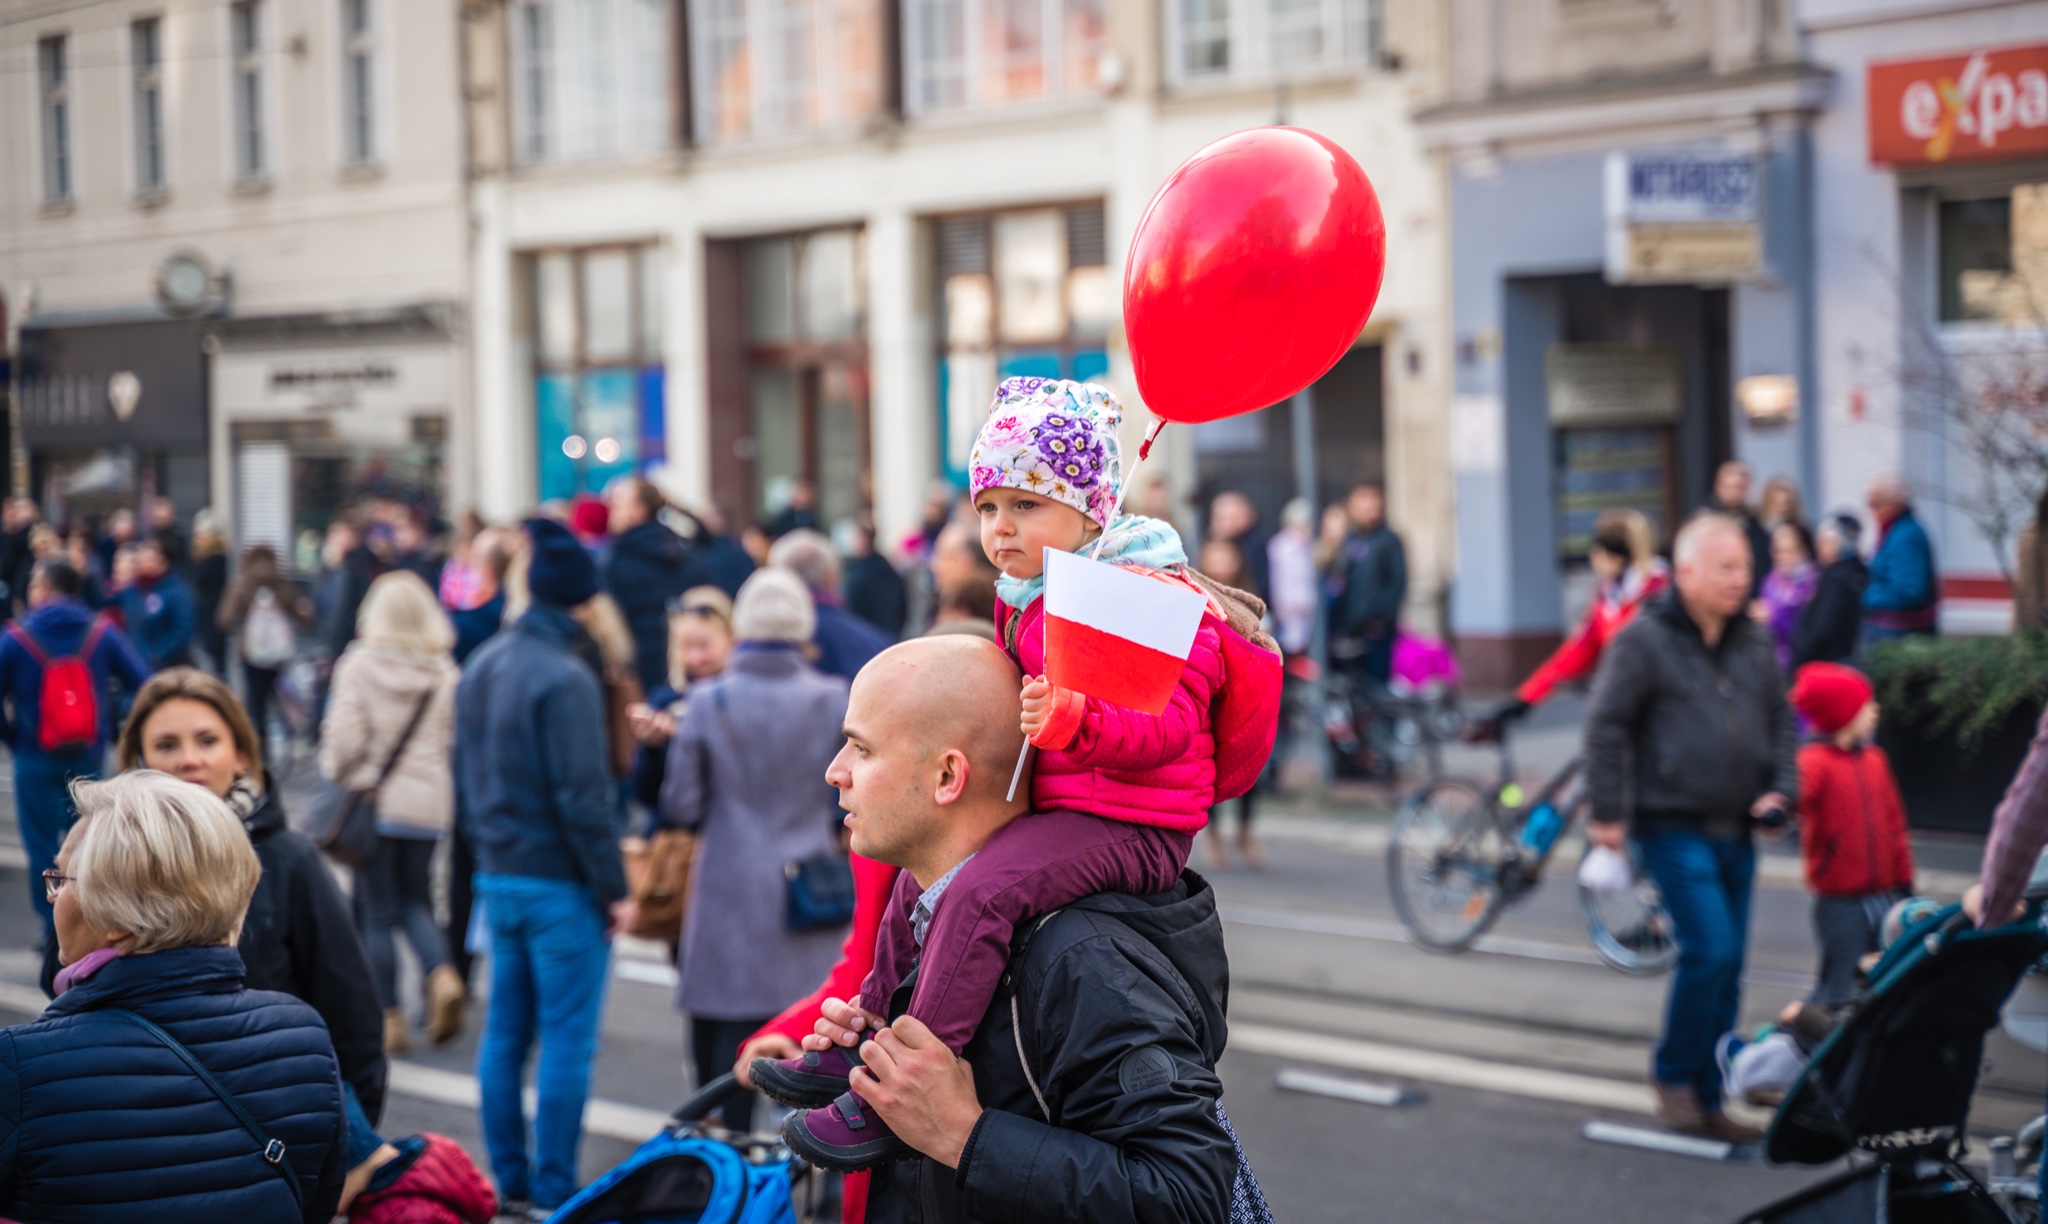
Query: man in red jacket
{"points": [[1852, 823]]}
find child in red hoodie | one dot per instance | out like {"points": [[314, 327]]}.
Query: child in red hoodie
{"points": [[1852, 824], [1116, 795]]}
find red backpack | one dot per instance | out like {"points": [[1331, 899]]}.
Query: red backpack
{"points": [[68, 715]]}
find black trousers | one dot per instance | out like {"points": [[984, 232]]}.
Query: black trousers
{"points": [[461, 901], [715, 1046], [1847, 929]]}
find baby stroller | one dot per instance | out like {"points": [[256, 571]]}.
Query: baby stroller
{"points": [[694, 1172], [1890, 1087]]}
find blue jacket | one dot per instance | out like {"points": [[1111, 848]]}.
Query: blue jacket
{"points": [[533, 782], [161, 620], [1902, 571], [101, 1122], [59, 627], [845, 642]]}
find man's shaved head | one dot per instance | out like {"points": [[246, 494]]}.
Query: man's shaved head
{"points": [[932, 736]]}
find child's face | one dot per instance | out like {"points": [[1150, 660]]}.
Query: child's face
{"points": [[700, 644], [1017, 526], [1862, 728]]}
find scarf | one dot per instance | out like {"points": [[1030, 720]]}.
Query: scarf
{"points": [[244, 797], [1132, 540]]}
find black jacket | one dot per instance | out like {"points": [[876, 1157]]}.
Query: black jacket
{"points": [[1831, 621], [1375, 571], [1681, 737], [342, 590], [300, 938], [644, 568], [1122, 1001], [875, 592]]}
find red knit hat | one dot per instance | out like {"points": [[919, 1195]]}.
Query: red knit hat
{"points": [[1829, 695]]}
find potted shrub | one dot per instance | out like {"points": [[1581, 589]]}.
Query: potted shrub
{"points": [[1959, 713]]}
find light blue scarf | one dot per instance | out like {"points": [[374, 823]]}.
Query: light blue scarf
{"points": [[1132, 539]]}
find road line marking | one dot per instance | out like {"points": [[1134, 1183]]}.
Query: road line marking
{"points": [[652, 973], [608, 1118], [1659, 1141], [1365, 1092], [1455, 1070]]}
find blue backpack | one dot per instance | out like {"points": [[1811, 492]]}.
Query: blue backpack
{"points": [[679, 1177]]}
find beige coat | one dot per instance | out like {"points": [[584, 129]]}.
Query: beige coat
{"points": [[373, 696]]}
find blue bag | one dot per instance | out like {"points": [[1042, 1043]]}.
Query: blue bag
{"points": [[679, 1177]]}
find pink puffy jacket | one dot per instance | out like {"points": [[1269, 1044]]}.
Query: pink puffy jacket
{"points": [[1119, 764]]}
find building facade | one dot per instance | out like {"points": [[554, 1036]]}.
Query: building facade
{"points": [[753, 245], [233, 239]]}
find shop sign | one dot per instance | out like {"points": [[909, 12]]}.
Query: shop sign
{"points": [[394, 380], [1613, 385], [1984, 105], [1682, 216]]}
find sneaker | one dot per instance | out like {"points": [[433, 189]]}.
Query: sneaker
{"points": [[514, 1211], [812, 1081], [843, 1137], [445, 997], [1718, 1125], [1678, 1107]]}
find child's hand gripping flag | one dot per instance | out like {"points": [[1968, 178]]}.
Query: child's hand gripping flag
{"points": [[1116, 635]]}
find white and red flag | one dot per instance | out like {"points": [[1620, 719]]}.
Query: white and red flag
{"points": [[1114, 634]]}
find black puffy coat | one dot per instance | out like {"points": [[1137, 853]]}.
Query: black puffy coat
{"points": [[644, 568], [300, 938], [1832, 621], [1123, 1016], [99, 1121]]}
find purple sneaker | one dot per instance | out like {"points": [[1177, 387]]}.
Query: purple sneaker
{"points": [[813, 1080], [843, 1137]]}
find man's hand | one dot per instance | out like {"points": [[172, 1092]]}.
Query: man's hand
{"points": [[623, 914], [1771, 802], [841, 1022], [1609, 833], [767, 1045], [1973, 906], [1037, 705], [922, 1091]]}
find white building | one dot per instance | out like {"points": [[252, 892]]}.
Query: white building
{"points": [[806, 241], [234, 240]]}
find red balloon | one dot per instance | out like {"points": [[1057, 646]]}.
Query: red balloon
{"points": [[1252, 272]]}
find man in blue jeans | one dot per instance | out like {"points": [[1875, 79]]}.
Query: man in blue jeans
{"points": [[58, 626], [535, 794], [1689, 743]]}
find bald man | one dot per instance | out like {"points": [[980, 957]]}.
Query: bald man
{"points": [[1688, 744], [1120, 998]]}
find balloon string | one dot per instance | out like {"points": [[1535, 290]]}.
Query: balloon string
{"points": [[1124, 486], [1145, 447]]}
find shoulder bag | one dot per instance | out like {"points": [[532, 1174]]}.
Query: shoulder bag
{"points": [[272, 1150], [344, 821]]}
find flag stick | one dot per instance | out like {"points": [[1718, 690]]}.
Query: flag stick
{"points": [[1023, 755]]}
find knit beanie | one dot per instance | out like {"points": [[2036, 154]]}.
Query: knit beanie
{"points": [[1829, 696], [559, 571], [1054, 437], [773, 606]]}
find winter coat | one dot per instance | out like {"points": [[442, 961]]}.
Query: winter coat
{"points": [[844, 641], [1685, 738], [1832, 620], [723, 563], [1611, 612], [532, 783], [1120, 764], [1852, 823], [300, 938], [369, 702], [474, 626], [644, 567], [1904, 590], [442, 1186], [160, 620], [746, 772], [102, 1122], [59, 628], [209, 585], [875, 592], [1122, 1006], [341, 597], [1375, 585]]}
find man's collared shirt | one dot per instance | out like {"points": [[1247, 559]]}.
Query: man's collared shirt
{"points": [[928, 901]]}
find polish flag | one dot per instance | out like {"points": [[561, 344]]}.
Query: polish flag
{"points": [[1114, 634]]}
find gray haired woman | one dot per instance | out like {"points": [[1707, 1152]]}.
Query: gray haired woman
{"points": [[746, 771]]}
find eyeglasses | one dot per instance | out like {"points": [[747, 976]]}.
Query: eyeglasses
{"points": [[54, 882]]}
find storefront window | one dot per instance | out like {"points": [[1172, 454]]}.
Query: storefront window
{"points": [[807, 357], [1994, 258], [963, 53], [1025, 292], [599, 382]]}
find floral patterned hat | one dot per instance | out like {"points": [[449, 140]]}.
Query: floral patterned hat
{"points": [[1055, 437]]}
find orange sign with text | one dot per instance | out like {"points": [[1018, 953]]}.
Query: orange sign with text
{"points": [[1980, 106]]}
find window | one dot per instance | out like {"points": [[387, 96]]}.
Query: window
{"points": [[594, 317], [245, 19], [764, 67], [1021, 293], [963, 53], [358, 82], [1263, 39], [56, 95], [145, 41], [590, 78], [1994, 258]]}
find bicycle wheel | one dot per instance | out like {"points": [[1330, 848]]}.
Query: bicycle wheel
{"points": [[1444, 862], [1630, 929]]}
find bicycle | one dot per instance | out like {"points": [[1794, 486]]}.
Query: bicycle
{"points": [[1377, 734], [1463, 850]]}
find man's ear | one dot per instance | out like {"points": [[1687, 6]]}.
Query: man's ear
{"points": [[950, 784]]}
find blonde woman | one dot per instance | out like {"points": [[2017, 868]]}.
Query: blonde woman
{"points": [[105, 1117], [390, 726]]}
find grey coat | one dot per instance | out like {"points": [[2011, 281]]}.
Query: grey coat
{"points": [[746, 770]]}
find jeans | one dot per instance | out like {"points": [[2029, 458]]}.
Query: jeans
{"points": [[397, 891], [549, 965], [1706, 885], [259, 686], [44, 812]]}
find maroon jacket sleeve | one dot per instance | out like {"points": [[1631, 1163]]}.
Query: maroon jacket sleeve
{"points": [[2018, 830]]}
